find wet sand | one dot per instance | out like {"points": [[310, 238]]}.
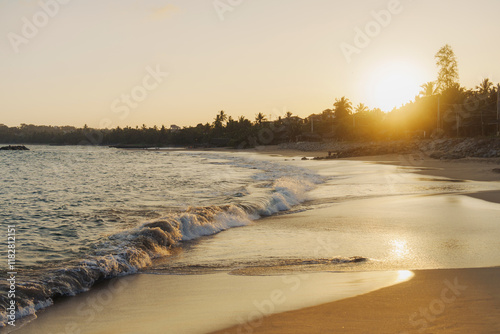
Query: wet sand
{"points": [[178, 304], [419, 305], [434, 301]]}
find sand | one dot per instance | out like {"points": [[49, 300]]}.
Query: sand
{"points": [[187, 304], [433, 301], [477, 169]]}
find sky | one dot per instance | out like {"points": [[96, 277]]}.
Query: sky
{"points": [[132, 62]]}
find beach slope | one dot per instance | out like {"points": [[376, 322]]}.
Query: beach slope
{"points": [[433, 301]]}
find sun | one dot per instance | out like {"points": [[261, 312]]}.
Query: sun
{"points": [[393, 84]]}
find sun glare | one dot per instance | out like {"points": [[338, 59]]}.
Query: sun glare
{"points": [[392, 85], [404, 275]]}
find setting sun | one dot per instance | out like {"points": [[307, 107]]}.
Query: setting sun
{"points": [[393, 84]]}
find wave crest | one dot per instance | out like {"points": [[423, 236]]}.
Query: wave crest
{"points": [[131, 250]]}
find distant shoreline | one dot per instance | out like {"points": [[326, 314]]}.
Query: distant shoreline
{"points": [[442, 149]]}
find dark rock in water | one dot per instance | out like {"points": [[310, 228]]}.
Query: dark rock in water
{"points": [[304, 158], [496, 170], [14, 148]]}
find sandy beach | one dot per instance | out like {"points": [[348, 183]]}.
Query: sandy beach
{"points": [[465, 300], [433, 301], [477, 169], [150, 304]]}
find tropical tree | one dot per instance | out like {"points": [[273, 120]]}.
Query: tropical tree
{"points": [[485, 87], [428, 89], [448, 68], [327, 115], [342, 107], [361, 109], [223, 116], [219, 120], [259, 118]]}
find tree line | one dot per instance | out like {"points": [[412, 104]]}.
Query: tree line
{"points": [[443, 108]]}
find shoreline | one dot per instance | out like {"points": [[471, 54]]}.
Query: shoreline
{"points": [[474, 169], [467, 170], [186, 304], [433, 301], [420, 304]]}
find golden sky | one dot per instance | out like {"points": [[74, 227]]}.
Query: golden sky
{"points": [[129, 62]]}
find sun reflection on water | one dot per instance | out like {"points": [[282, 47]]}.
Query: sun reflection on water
{"points": [[400, 248]]}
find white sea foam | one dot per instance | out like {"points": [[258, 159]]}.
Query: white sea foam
{"points": [[272, 188]]}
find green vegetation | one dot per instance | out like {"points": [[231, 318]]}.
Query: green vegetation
{"points": [[442, 109]]}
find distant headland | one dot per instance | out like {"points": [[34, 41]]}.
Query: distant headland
{"points": [[14, 148]]}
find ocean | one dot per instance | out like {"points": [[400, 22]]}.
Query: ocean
{"points": [[83, 215]]}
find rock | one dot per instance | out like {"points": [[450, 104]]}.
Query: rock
{"points": [[436, 155], [14, 148], [496, 170], [304, 158]]}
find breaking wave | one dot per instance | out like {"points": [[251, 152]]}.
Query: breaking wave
{"points": [[131, 250]]}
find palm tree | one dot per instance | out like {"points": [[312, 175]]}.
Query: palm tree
{"points": [[342, 107], [220, 118], [485, 87], [259, 118], [428, 89], [361, 109]]}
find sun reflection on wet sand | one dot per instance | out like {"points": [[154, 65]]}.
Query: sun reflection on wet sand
{"points": [[404, 275]]}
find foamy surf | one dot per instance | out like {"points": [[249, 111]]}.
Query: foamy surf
{"points": [[274, 188]]}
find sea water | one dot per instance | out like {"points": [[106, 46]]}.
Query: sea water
{"points": [[84, 214]]}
